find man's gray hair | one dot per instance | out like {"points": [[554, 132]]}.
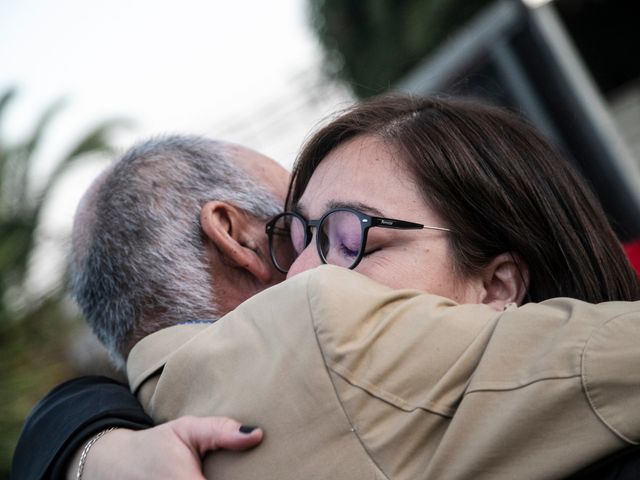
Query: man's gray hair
{"points": [[139, 262]]}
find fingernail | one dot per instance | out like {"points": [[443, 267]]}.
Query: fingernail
{"points": [[247, 429]]}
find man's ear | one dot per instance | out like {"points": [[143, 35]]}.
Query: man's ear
{"points": [[233, 232], [505, 280]]}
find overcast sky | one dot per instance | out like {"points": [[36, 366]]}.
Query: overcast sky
{"points": [[194, 66], [171, 66]]}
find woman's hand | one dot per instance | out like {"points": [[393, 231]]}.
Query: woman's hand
{"points": [[169, 451]]}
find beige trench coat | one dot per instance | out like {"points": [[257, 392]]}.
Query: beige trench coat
{"points": [[353, 380]]}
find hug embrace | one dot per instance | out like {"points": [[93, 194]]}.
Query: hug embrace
{"points": [[476, 316]]}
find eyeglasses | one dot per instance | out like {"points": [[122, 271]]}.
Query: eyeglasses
{"points": [[341, 236]]}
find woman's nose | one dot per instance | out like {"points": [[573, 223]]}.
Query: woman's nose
{"points": [[307, 260]]}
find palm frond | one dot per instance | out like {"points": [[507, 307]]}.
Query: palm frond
{"points": [[18, 236], [16, 161], [98, 140], [5, 100], [34, 140]]}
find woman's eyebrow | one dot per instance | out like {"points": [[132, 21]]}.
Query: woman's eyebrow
{"points": [[369, 210]]}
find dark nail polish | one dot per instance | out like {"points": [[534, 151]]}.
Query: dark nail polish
{"points": [[247, 429]]}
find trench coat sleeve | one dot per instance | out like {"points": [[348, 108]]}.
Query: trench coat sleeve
{"points": [[65, 418], [399, 384], [301, 358]]}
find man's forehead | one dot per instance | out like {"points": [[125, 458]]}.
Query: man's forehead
{"points": [[262, 168]]}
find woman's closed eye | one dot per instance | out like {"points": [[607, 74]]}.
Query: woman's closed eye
{"points": [[347, 251], [347, 242], [344, 244]]}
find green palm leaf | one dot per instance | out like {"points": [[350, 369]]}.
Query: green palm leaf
{"points": [[20, 206], [98, 140]]}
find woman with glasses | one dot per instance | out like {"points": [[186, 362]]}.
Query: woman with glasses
{"points": [[485, 186], [359, 380]]}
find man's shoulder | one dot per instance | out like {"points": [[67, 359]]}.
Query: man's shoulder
{"points": [[151, 353]]}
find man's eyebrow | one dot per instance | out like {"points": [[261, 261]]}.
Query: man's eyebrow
{"points": [[361, 207]]}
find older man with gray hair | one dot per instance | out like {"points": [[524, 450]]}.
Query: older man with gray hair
{"points": [[173, 232]]}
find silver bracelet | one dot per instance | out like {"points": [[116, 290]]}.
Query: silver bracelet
{"points": [[87, 447]]}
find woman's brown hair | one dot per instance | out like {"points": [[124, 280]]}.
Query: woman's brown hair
{"points": [[499, 185]]}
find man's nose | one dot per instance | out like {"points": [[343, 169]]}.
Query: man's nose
{"points": [[307, 260]]}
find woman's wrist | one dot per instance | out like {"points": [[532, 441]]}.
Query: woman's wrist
{"points": [[87, 448], [77, 466]]}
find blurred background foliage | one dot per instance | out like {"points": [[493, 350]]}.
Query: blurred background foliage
{"points": [[35, 328], [370, 44]]}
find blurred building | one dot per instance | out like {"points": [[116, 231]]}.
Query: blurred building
{"points": [[571, 67]]}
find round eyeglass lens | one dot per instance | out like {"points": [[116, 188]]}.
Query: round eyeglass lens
{"points": [[340, 238], [287, 240]]}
